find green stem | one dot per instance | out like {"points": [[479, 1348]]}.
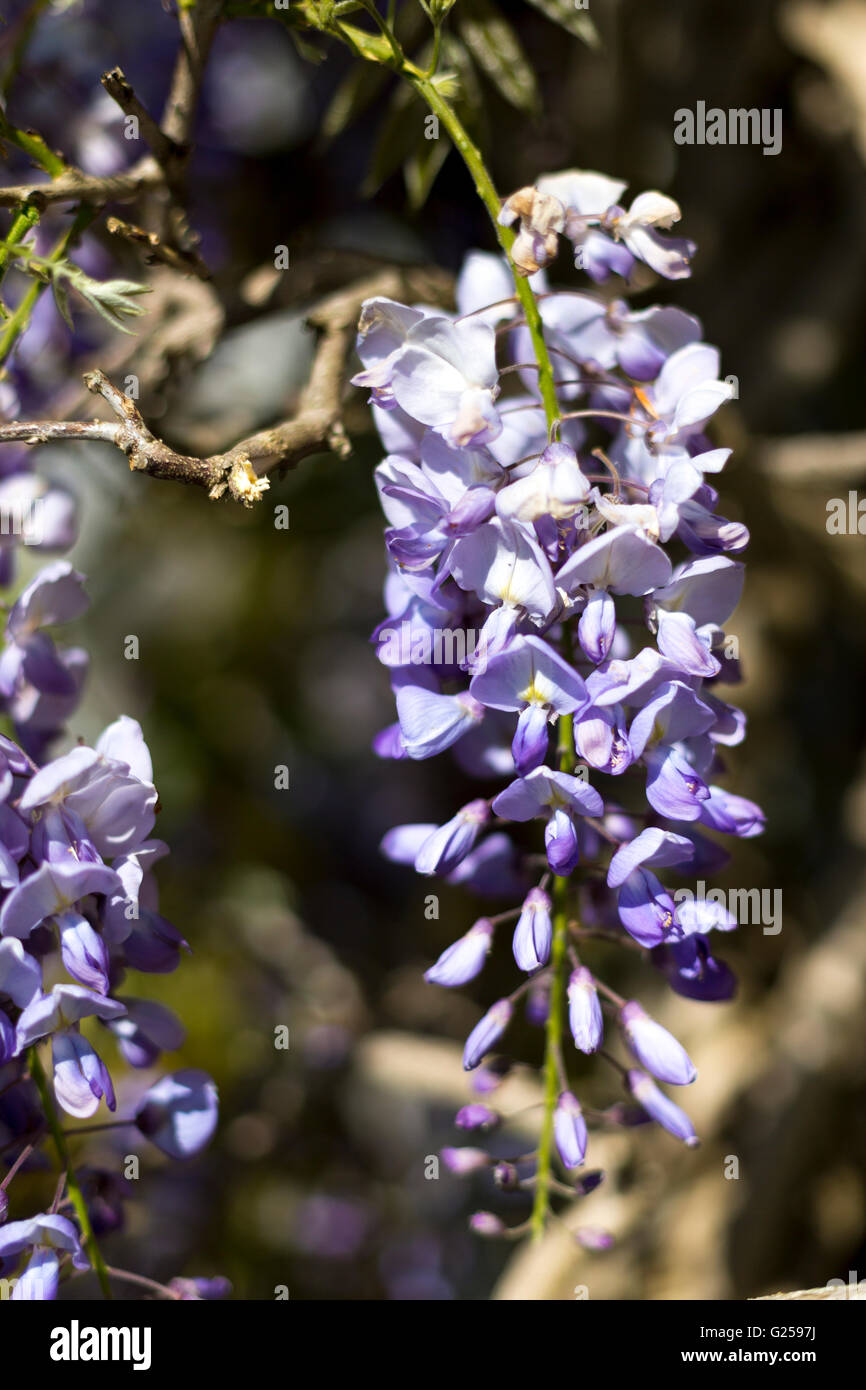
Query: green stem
{"points": [[426, 87], [23, 222], [556, 1013], [34, 146], [18, 320], [37, 1071], [472, 158]]}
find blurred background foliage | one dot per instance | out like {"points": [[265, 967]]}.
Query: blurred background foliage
{"points": [[254, 652]]}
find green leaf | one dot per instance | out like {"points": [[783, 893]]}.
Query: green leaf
{"points": [[456, 55], [373, 46], [497, 51], [421, 169], [113, 300], [306, 50], [567, 16], [61, 299], [398, 136], [354, 94]]}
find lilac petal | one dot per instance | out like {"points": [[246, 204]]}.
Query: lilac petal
{"points": [[486, 1033], [40, 1279], [474, 507], [47, 1229], [678, 640], [645, 908], [463, 959], [56, 595], [179, 1113], [148, 1029], [675, 712], [431, 723], [476, 1116], [53, 888], [64, 1006], [53, 782], [735, 815], [491, 870], [542, 789], [554, 487], [583, 190], [388, 743], [661, 1109], [84, 952], [659, 848], [383, 327], [561, 842], [41, 666], [503, 563], [442, 851], [666, 255], [601, 257], [623, 560], [601, 739], [402, 843], [153, 944], [7, 1039], [633, 681], [656, 1048], [673, 787], [484, 280], [597, 626], [529, 672], [20, 974], [584, 1011], [529, 746], [465, 1160], [123, 741], [569, 1128], [707, 589], [81, 1078], [700, 915], [693, 973], [534, 932]]}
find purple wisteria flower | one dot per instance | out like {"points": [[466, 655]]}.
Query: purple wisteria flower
{"points": [[579, 557], [78, 907]]}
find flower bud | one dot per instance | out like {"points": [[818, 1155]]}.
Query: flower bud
{"points": [[661, 1109], [463, 959], [593, 1238], [442, 851], [534, 931], [569, 1128], [584, 1011], [529, 745], [506, 1176], [484, 1223], [463, 1161], [476, 1116], [656, 1048], [486, 1033]]}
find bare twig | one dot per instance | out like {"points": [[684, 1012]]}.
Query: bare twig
{"points": [[75, 187], [316, 426], [164, 148], [157, 250]]}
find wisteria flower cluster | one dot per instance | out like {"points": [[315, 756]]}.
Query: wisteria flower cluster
{"points": [[556, 600], [78, 913]]}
